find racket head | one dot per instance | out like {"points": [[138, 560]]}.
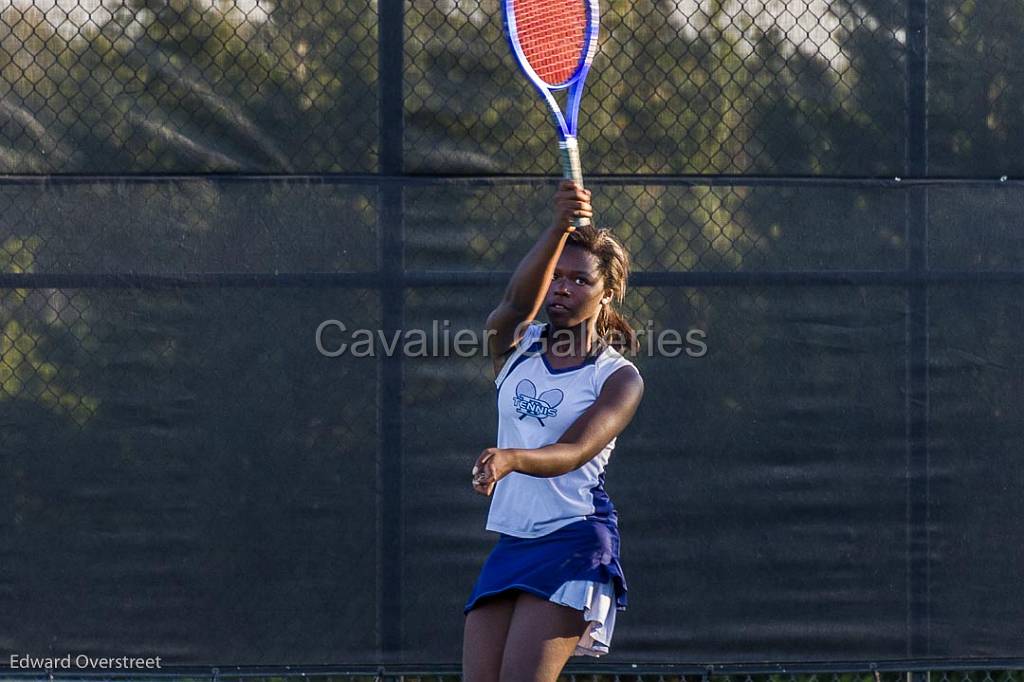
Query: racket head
{"points": [[554, 41]]}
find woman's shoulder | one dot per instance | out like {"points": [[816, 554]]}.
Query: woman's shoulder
{"points": [[608, 363], [533, 333], [612, 359]]}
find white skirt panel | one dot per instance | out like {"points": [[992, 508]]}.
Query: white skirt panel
{"points": [[597, 601]]}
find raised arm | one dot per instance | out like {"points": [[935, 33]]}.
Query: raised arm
{"points": [[528, 286]]}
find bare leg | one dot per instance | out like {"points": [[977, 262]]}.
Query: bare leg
{"points": [[483, 642], [541, 638]]}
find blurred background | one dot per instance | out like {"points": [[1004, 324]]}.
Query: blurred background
{"points": [[827, 189]]}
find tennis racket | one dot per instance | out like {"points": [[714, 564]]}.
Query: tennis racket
{"points": [[554, 42]]}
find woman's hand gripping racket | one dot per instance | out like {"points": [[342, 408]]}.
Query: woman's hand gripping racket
{"points": [[554, 42]]}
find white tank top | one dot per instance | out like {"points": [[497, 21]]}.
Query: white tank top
{"points": [[536, 405]]}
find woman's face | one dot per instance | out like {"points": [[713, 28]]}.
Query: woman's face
{"points": [[576, 288]]}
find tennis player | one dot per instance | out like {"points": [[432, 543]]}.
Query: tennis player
{"points": [[552, 584]]}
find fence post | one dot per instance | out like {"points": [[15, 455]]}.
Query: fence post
{"points": [[392, 291]]}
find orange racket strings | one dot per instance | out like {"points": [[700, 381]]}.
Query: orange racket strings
{"points": [[551, 34]]}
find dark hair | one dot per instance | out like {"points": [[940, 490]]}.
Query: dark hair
{"points": [[613, 264]]}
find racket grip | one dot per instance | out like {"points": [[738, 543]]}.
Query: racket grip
{"points": [[572, 170]]}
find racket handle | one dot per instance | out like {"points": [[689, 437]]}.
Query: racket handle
{"points": [[572, 170]]}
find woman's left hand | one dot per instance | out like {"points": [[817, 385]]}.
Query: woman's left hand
{"points": [[491, 466]]}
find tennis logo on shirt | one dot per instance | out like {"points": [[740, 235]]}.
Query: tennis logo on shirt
{"points": [[529, 404]]}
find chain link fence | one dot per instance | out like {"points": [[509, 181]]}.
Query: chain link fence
{"points": [[827, 189]]}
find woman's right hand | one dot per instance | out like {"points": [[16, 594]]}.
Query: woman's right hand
{"points": [[492, 465], [571, 201]]}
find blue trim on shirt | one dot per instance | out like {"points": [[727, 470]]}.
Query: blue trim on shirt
{"points": [[527, 353], [589, 361], [602, 503]]}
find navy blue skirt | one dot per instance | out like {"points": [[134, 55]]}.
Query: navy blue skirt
{"points": [[583, 550]]}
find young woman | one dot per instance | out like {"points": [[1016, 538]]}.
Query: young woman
{"points": [[552, 584]]}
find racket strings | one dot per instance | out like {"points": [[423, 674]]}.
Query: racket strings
{"points": [[552, 34]]}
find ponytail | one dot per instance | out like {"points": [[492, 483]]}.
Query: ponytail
{"points": [[616, 332]]}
